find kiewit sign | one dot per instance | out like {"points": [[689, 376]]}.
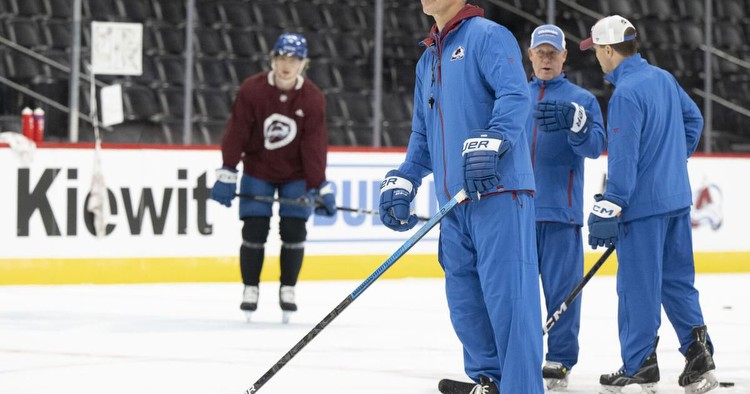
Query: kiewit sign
{"points": [[159, 212]]}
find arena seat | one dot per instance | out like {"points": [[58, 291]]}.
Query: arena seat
{"points": [[238, 14], [138, 10], [169, 11], [26, 32], [103, 10], [245, 45], [28, 8]]}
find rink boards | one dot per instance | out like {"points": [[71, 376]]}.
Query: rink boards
{"points": [[162, 227]]}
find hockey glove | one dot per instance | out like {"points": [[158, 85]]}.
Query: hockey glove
{"points": [[396, 195], [323, 199], [603, 222], [561, 115], [481, 152], [225, 187]]}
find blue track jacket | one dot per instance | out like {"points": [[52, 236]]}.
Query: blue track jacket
{"points": [[447, 108], [652, 128], [558, 159]]}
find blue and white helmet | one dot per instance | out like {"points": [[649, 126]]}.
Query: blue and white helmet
{"points": [[291, 44]]}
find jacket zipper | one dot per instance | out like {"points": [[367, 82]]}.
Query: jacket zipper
{"points": [[438, 66], [533, 141]]}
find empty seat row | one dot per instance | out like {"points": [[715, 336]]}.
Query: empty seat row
{"points": [[673, 10], [244, 14], [212, 107], [41, 35], [691, 35]]}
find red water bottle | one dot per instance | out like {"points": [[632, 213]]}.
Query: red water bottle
{"points": [[27, 123], [38, 125]]}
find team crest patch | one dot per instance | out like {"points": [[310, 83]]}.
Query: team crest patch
{"points": [[458, 54], [278, 131]]}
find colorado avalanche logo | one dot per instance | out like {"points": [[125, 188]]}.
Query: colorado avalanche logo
{"points": [[458, 54], [278, 131], [707, 207]]}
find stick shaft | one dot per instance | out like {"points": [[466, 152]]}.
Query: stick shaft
{"points": [[356, 293], [300, 203], [556, 316]]}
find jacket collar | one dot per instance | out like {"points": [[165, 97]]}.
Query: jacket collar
{"points": [[468, 11], [628, 66], [554, 81]]}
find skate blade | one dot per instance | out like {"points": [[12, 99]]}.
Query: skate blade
{"points": [[706, 383], [646, 388], [248, 316], [556, 384], [649, 388], [286, 316], [610, 390]]}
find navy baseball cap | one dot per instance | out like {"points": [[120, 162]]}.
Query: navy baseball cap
{"points": [[548, 34]]}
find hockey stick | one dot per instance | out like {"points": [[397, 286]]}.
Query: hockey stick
{"points": [[303, 203], [556, 316], [460, 196]]}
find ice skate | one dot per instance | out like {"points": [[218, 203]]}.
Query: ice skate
{"points": [[287, 303], [698, 377], [485, 386], [249, 301], [555, 376], [647, 377]]}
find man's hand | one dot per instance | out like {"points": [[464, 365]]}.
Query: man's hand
{"points": [[225, 187], [562, 115], [396, 195], [603, 223], [323, 199], [481, 152]]}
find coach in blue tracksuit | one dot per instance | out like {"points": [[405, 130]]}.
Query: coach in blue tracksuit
{"points": [[471, 100], [652, 127], [559, 142]]}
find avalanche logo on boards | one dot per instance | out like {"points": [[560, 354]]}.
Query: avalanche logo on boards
{"points": [[707, 207]]}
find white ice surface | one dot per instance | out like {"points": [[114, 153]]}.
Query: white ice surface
{"points": [[395, 338]]}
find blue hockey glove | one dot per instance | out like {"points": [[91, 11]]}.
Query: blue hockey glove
{"points": [[323, 198], [603, 222], [396, 195], [481, 152], [561, 115], [225, 187]]}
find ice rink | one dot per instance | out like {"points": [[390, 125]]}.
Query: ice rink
{"points": [[395, 338]]}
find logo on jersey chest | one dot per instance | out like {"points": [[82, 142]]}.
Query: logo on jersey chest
{"points": [[278, 131], [458, 54]]}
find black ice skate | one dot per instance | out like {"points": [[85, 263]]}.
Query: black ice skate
{"points": [[647, 377], [249, 301], [287, 303], [485, 386], [697, 377], [555, 376]]}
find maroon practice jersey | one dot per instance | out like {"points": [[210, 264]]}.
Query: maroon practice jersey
{"points": [[281, 136]]}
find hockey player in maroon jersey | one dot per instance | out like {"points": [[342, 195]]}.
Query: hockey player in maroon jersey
{"points": [[278, 130]]}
